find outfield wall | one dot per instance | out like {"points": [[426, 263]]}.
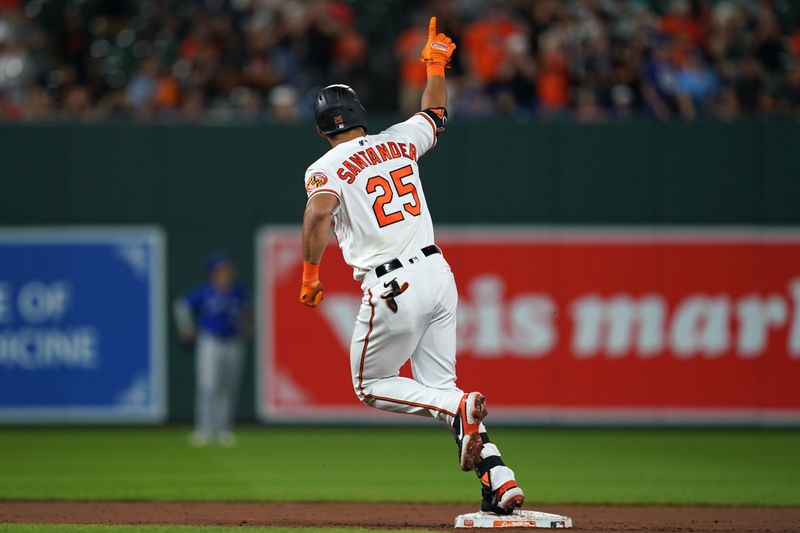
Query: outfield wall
{"points": [[577, 325], [211, 187]]}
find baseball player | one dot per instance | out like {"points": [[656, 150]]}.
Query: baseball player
{"points": [[219, 307], [367, 188]]}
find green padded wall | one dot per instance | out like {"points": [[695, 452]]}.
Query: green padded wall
{"points": [[210, 186]]}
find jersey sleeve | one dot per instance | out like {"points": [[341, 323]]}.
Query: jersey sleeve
{"points": [[186, 308], [422, 129], [320, 181]]}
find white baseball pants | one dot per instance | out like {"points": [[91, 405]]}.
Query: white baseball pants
{"points": [[423, 330], [219, 369]]}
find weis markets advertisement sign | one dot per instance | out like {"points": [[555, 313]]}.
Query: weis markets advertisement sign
{"points": [[597, 325], [81, 325]]}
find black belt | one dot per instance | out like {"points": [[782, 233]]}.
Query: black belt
{"points": [[394, 264]]}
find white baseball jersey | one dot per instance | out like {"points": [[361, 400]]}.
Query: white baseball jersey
{"points": [[382, 212]]}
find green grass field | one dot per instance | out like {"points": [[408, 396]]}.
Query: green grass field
{"points": [[404, 464]]}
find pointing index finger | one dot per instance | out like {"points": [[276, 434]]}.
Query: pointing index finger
{"points": [[432, 28]]}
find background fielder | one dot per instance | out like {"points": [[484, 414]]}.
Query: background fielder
{"points": [[215, 316], [368, 190]]}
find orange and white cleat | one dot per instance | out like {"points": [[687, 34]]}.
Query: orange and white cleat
{"points": [[466, 425], [504, 500]]}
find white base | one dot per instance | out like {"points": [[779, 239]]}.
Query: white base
{"points": [[515, 519]]}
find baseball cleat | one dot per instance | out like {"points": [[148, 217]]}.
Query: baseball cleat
{"points": [[504, 500], [226, 439], [198, 440], [471, 411]]}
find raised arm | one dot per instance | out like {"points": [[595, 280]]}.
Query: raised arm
{"points": [[436, 55], [435, 93]]}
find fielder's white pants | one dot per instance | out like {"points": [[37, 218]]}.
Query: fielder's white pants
{"points": [[219, 368], [423, 330]]}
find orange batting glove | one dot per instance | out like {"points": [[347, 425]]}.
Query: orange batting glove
{"points": [[311, 288], [437, 50]]}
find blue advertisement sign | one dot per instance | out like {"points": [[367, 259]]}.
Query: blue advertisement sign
{"points": [[82, 325]]}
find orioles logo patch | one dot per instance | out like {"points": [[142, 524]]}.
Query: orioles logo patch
{"points": [[315, 181]]}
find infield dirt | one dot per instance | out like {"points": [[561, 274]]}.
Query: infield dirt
{"points": [[395, 515]]}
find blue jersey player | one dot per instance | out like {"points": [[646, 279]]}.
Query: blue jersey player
{"points": [[215, 316]]}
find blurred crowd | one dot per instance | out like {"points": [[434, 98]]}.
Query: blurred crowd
{"points": [[263, 60]]}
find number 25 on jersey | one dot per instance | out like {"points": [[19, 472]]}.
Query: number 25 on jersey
{"points": [[403, 189]]}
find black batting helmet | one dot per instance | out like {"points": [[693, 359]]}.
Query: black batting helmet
{"points": [[337, 109]]}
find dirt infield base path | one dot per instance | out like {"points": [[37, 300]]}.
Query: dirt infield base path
{"points": [[385, 515]]}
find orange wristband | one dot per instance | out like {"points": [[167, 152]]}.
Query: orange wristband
{"points": [[310, 271], [435, 69]]}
